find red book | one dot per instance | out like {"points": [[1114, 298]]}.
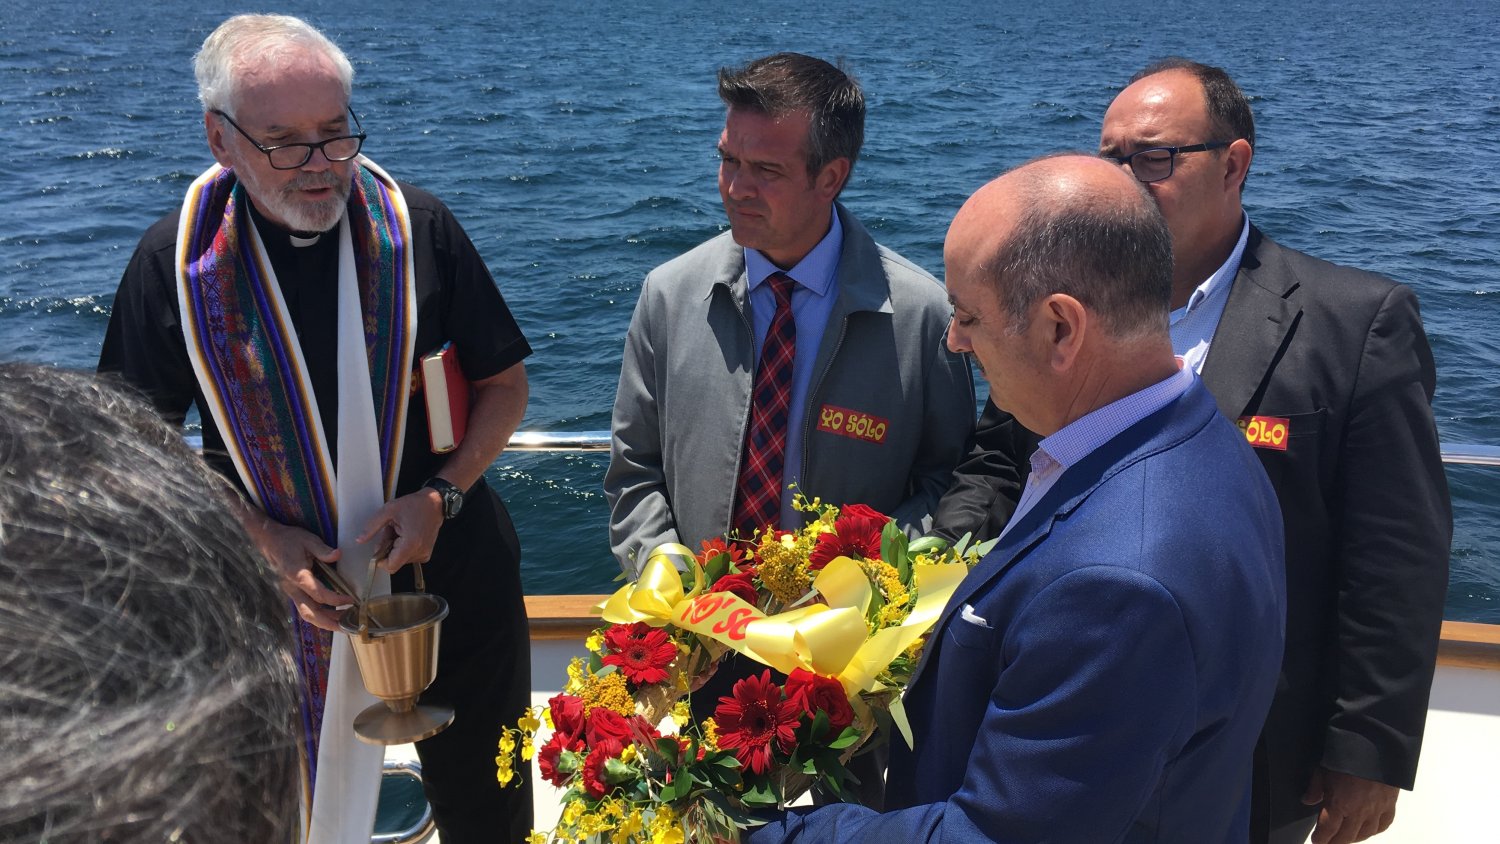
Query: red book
{"points": [[447, 392]]}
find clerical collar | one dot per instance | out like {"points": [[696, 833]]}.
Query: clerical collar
{"points": [[300, 240]]}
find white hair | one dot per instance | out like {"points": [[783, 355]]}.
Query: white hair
{"points": [[246, 40]]}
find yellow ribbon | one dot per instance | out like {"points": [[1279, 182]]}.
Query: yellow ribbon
{"points": [[831, 639], [658, 590]]}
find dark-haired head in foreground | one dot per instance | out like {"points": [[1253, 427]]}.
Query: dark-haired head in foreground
{"points": [[147, 691]]}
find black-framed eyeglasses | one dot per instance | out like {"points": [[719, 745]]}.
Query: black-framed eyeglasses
{"points": [[1157, 163], [292, 156]]}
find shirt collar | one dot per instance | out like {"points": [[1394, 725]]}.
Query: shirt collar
{"points": [[1222, 277], [1083, 435], [816, 269]]}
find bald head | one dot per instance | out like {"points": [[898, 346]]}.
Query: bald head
{"points": [[1059, 273], [1072, 224]]}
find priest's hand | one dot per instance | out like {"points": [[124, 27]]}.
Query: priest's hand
{"points": [[408, 526], [1353, 808], [293, 553]]}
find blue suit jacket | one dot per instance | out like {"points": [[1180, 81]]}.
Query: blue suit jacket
{"points": [[1103, 673]]}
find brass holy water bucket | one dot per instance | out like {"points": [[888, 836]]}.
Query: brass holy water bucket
{"points": [[395, 641]]}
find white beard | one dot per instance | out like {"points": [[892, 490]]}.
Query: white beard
{"points": [[296, 213]]}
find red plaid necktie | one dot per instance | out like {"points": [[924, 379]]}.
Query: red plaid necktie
{"points": [[757, 500]]}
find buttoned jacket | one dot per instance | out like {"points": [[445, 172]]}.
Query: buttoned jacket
{"points": [[1102, 674]]}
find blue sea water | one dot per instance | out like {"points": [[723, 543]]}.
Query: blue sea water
{"points": [[575, 141]]}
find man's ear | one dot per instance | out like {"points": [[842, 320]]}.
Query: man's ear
{"points": [[830, 180], [1065, 326], [217, 131], [1237, 159]]}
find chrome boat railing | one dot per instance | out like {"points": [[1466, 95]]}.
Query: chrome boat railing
{"points": [[1456, 454]]}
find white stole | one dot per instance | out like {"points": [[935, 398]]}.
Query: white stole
{"points": [[349, 770]]}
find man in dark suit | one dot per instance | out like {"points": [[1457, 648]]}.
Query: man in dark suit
{"points": [[1102, 674], [1328, 372]]}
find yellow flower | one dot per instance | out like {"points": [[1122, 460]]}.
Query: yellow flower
{"points": [[576, 674], [608, 691], [528, 721], [664, 828], [528, 748], [536, 838], [595, 641], [783, 570], [628, 754], [710, 734], [682, 713], [630, 825], [503, 770], [573, 811]]}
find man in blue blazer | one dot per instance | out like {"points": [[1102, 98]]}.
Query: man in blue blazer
{"points": [[1102, 675]]}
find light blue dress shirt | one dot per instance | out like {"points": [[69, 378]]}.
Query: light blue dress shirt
{"points": [[1084, 435], [1194, 324], [812, 301]]}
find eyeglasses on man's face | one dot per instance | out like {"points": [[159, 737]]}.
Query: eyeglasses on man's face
{"points": [[1157, 163], [292, 156]]}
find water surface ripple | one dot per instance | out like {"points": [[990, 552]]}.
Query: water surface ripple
{"points": [[575, 141]]}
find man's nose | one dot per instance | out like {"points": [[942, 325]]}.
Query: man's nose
{"points": [[740, 185], [317, 162], [958, 342]]}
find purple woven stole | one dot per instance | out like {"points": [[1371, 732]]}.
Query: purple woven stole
{"points": [[251, 372]]}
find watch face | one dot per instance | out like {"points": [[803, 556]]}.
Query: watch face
{"points": [[453, 501]]}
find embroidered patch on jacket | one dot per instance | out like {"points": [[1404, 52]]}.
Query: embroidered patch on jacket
{"points": [[1265, 431], [852, 423]]}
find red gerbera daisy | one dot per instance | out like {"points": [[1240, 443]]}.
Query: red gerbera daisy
{"points": [[716, 546], [856, 533], [642, 652], [753, 718]]}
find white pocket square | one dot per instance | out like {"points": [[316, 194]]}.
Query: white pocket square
{"points": [[970, 616]]}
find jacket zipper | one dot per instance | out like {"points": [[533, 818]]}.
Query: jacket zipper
{"points": [[811, 408]]}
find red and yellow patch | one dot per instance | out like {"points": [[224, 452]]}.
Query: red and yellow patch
{"points": [[1265, 431], [852, 423]]}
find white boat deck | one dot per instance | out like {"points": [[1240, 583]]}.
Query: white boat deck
{"points": [[1458, 780]]}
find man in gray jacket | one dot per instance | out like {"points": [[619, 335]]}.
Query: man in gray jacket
{"points": [[792, 349]]}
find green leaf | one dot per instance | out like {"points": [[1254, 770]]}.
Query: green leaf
{"points": [[847, 737], [925, 545], [962, 545], [616, 772], [984, 547], [893, 550], [898, 717], [596, 663], [759, 794], [676, 789], [717, 567]]}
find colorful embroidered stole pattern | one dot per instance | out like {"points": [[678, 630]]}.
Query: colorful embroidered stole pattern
{"points": [[252, 374]]}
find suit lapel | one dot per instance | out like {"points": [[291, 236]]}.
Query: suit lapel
{"points": [[1178, 420], [1258, 319]]}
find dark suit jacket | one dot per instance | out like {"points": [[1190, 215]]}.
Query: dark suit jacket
{"points": [[1341, 356], [1101, 676]]}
